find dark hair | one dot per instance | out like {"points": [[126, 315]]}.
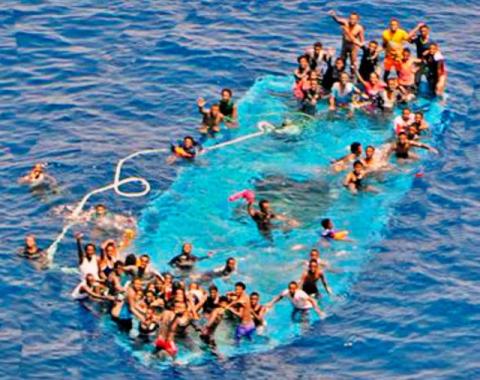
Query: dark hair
{"points": [[90, 245], [355, 146], [223, 299], [371, 146], [215, 105], [407, 49], [425, 26], [299, 58], [241, 284], [374, 42], [194, 143], [312, 261], [117, 264], [254, 294], [213, 287], [354, 14], [315, 249], [100, 205], [419, 113], [325, 222], [293, 283], [227, 90], [358, 162], [402, 133], [262, 203], [131, 259], [145, 257], [317, 44], [406, 109], [340, 59]]}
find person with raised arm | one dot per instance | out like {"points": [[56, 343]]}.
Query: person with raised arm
{"points": [[351, 30]]}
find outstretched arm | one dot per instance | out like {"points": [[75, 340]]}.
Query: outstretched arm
{"points": [[414, 31], [338, 20], [324, 283], [423, 146], [315, 307]]}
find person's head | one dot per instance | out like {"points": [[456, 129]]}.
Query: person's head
{"points": [[131, 259], [424, 31], [254, 299], [118, 267], [406, 114], [100, 210], [340, 64], [137, 284], [193, 286], [370, 151], [317, 47], [303, 62], [374, 78], [226, 94], [223, 301], [149, 297], [89, 279], [327, 224], [418, 117], [344, 78], [90, 250], [412, 130], [314, 254], [37, 169], [433, 48], [394, 25], [187, 248], [144, 261], [179, 294], [356, 148], [292, 287], [313, 76], [213, 291], [406, 54], [188, 142], [110, 249], [30, 241], [215, 110], [402, 138], [239, 288], [129, 234], [231, 263], [373, 46], [264, 205], [358, 166], [392, 84], [313, 265], [150, 313], [353, 19], [168, 278]]}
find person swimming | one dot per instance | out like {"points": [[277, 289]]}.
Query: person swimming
{"points": [[31, 250], [354, 181], [185, 261], [341, 163], [212, 118], [38, 178], [227, 106], [329, 231], [309, 279], [301, 301], [187, 149], [88, 261], [223, 272], [401, 148]]}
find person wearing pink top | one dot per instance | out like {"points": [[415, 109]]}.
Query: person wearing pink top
{"points": [[373, 86], [408, 68]]}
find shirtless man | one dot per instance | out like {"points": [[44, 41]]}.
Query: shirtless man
{"points": [[212, 118], [246, 328], [351, 29], [264, 215]]}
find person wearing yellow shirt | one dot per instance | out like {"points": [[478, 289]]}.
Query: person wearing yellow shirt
{"points": [[394, 39]]}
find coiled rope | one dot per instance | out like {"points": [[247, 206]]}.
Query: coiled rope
{"points": [[117, 183]]}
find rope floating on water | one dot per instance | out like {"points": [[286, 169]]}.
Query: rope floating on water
{"points": [[117, 183]]}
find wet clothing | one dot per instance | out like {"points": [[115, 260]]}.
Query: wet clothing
{"points": [[422, 45], [436, 68], [244, 331], [210, 304], [310, 284], [166, 345], [258, 322], [299, 299], [227, 107], [368, 63], [401, 150], [263, 220], [183, 261], [332, 75]]}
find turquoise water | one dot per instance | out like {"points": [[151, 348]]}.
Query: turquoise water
{"points": [[293, 171], [83, 84]]}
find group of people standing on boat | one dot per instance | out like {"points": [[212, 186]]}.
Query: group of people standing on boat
{"points": [[161, 308]]}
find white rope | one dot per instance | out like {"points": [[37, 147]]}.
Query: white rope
{"points": [[117, 183]]}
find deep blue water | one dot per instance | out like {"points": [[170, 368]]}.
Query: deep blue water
{"points": [[83, 85]]}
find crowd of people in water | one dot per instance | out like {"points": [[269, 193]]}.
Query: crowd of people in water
{"points": [[164, 307]]}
